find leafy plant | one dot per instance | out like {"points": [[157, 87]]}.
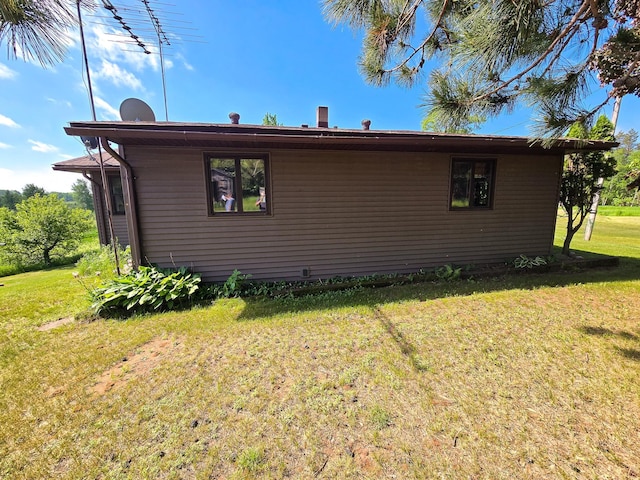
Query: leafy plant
{"points": [[526, 262], [448, 273], [233, 286], [147, 289], [101, 262]]}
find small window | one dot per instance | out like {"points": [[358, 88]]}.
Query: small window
{"points": [[117, 196], [238, 184], [472, 183]]}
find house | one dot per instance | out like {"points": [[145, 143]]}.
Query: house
{"points": [[89, 167], [316, 202]]}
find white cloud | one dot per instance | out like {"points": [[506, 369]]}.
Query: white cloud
{"points": [[65, 103], [6, 72], [43, 177], [4, 145], [119, 77], [43, 147], [110, 112], [114, 45], [7, 122], [185, 64]]}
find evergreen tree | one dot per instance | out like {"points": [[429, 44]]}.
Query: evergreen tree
{"points": [[494, 53], [36, 29], [271, 119]]}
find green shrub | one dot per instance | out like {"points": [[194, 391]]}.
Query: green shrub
{"points": [[526, 262], [145, 290], [448, 273], [102, 262]]}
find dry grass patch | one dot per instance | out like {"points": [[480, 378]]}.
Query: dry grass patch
{"points": [[136, 365], [55, 324]]}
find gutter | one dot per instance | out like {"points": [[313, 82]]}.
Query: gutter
{"points": [[126, 173]]}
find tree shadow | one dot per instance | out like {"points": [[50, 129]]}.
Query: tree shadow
{"points": [[601, 331], [630, 353], [627, 270]]}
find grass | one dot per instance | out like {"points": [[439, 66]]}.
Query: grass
{"points": [[532, 376], [610, 210]]}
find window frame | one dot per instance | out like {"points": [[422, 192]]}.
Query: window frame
{"points": [[237, 158], [492, 161], [112, 194]]}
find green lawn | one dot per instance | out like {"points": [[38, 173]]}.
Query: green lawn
{"points": [[528, 377]]}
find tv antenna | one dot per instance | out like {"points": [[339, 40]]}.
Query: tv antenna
{"points": [[134, 16]]}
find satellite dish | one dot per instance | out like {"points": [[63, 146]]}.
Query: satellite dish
{"points": [[90, 142], [135, 110]]}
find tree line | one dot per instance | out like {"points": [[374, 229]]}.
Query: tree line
{"points": [[79, 197], [618, 190]]}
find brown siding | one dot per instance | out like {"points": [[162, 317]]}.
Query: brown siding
{"points": [[342, 213]]}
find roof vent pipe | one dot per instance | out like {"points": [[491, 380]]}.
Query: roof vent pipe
{"points": [[323, 117], [366, 123], [235, 118]]}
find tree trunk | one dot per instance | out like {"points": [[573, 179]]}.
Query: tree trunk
{"points": [[569, 236], [46, 257]]}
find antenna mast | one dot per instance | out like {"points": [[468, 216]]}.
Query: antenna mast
{"points": [[103, 175], [162, 38]]}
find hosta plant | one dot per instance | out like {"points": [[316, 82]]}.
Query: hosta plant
{"points": [[146, 290]]}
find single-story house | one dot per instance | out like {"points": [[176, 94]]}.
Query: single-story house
{"points": [[89, 167], [292, 203]]}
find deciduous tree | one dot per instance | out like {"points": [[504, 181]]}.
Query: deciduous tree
{"points": [[31, 190], [41, 229], [580, 177], [82, 195]]}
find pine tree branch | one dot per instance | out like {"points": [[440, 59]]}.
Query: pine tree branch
{"points": [[424, 43], [577, 18]]}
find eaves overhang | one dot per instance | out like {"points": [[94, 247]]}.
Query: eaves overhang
{"points": [[173, 134]]}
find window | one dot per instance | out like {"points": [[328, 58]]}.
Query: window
{"points": [[238, 185], [117, 196], [472, 183]]}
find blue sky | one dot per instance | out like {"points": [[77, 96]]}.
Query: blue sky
{"points": [[247, 56]]}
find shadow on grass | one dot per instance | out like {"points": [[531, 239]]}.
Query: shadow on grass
{"points": [[407, 348], [628, 270], [601, 331], [630, 353]]}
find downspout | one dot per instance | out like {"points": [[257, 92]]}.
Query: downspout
{"points": [[131, 207]]}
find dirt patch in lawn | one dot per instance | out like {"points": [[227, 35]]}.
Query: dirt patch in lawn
{"points": [[58, 323], [139, 363]]}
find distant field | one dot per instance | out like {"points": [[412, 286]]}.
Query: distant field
{"points": [[607, 210]]}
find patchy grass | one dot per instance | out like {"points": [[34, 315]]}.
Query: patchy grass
{"points": [[532, 376]]}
